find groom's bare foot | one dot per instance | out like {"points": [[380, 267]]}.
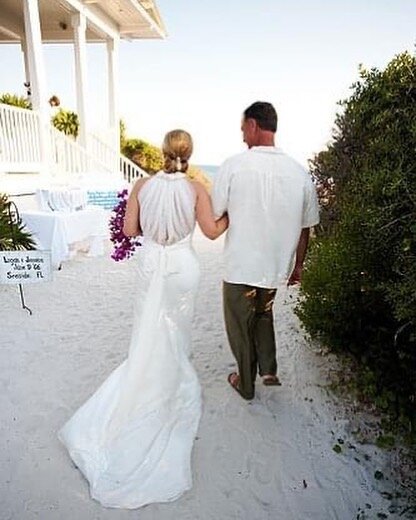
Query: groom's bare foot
{"points": [[271, 380]]}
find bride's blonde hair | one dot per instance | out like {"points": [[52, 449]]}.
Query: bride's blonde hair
{"points": [[177, 149]]}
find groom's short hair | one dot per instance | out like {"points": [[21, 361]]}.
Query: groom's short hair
{"points": [[264, 114]]}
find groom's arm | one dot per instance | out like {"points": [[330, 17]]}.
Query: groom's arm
{"points": [[310, 218], [296, 275], [210, 226]]}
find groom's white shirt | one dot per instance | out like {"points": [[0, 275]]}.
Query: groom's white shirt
{"points": [[269, 198]]}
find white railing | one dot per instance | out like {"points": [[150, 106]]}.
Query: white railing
{"points": [[104, 152], [107, 155], [68, 157], [20, 149], [19, 139], [130, 171]]}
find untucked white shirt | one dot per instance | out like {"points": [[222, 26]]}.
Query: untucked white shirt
{"points": [[269, 198]]}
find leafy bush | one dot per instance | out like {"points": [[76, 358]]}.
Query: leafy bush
{"points": [[359, 287], [15, 101], [67, 122], [12, 236], [145, 155]]}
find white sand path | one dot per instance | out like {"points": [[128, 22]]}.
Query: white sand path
{"points": [[271, 459]]}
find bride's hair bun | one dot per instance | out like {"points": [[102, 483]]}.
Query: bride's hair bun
{"points": [[177, 149]]}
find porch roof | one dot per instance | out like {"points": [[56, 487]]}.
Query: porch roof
{"points": [[131, 19]]}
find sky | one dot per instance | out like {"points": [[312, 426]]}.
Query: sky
{"points": [[220, 56]]}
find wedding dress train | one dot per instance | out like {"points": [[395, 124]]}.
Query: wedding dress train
{"points": [[133, 438]]}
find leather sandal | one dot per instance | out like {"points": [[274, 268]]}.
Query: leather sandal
{"points": [[271, 381], [234, 380]]}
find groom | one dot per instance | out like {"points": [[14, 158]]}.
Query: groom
{"points": [[271, 204]]}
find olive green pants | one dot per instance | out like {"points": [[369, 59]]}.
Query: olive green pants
{"points": [[248, 314]]}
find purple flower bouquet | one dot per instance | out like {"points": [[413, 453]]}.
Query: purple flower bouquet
{"points": [[124, 246]]}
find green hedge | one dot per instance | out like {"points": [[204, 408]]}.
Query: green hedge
{"points": [[359, 287]]}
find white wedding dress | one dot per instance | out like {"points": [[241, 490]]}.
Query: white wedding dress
{"points": [[133, 438]]}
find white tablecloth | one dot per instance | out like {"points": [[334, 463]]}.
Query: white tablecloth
{"points": [[69, 199], [56, 231]]}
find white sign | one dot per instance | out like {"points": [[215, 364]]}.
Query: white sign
{"points": [[25, 266]]}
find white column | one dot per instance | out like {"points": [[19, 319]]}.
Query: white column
{"points": [[35, 63], [26, 60], [113, 74], [79, 24]]}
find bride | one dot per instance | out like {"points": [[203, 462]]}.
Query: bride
{"points": [[133, 438]]}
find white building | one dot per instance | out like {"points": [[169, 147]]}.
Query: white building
{"points": [[29, 144]]}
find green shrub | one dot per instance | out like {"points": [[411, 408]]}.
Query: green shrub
{"points": [[15, 101], [67, 122], [359, 287], [145, 155], [13, 236]]}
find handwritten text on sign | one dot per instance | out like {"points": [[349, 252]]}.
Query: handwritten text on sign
{"points": [[25, 266]]}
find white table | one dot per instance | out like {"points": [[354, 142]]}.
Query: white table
{"points": [[62, 199], [57, 231]]}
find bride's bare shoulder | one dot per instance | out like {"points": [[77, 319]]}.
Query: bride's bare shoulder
{"points": [[198, 186], [139, 184]]}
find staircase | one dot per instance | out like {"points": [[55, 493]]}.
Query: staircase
{"points": [[60, 157]]}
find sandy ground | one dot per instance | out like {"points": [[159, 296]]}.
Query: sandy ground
{"points": [[271, 459]]}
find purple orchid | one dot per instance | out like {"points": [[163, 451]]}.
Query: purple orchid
{"points": [[124, 246]]}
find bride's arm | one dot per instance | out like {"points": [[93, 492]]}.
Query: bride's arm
{"points": [[211, 227], [131, 225]]}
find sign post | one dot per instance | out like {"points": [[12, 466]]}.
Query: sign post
{"points": [[22, 267]]}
